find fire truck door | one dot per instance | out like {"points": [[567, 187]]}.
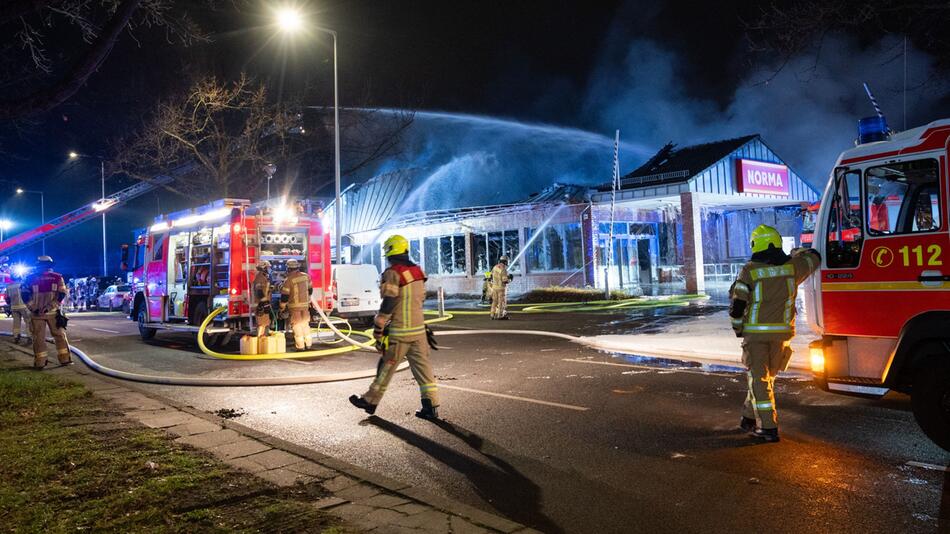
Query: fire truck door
{"points": [[901, 269], [156, 276]]}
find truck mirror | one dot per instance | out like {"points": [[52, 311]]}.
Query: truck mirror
{"points": [[124, 264]]}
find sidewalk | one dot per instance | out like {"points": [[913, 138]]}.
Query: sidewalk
{"points": [[706, 339], [366, 500]]}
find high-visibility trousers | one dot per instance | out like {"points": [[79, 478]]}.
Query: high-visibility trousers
{"points": [[20, 315], [765, 359], [39, 325], [300, 324], [416, 350], [499, 302], [263, 324]]}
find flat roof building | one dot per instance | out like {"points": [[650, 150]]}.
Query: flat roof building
{"points": [[679, 220]]}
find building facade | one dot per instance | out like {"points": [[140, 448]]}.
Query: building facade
{"points": [[680, 220]]}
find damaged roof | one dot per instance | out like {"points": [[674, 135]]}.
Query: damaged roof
{"points": [[569, 193], [674, 165]]}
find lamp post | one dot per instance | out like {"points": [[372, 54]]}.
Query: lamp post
{"points": [[20, 191], [5, 224], [291, 21], [102, 175]]}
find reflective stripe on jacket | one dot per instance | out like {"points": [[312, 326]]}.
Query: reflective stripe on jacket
{"points": [[770, 292], [297, 287], [14, 297], [407, 284]]}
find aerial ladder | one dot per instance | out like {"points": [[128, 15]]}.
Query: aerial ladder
{"points": [[78, 216]]}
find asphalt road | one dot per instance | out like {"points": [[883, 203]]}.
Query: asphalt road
{"points": [[567, 439]]}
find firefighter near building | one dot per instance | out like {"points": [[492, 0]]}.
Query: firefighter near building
{"points": [[881, 301], [763, 314], [188, 263]]}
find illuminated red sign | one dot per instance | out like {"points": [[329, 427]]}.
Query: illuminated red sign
{"points": [[761, 177]]}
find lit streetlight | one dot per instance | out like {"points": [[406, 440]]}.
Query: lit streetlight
{"points": [[102, 175], [20, 191], [291, 21], [5, 224]]}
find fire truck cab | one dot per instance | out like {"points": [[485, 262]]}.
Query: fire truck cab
{"points": [[881, 300], [190, 262]]}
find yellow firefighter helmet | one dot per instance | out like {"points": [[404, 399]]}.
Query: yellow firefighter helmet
{"points": [[396, 244], [763, 236]]}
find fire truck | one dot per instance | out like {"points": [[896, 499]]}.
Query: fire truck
{"points": [[881, 300], [190, 262]]}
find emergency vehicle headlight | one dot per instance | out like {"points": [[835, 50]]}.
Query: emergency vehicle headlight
{"points": [[20, 269], [817, 357]]}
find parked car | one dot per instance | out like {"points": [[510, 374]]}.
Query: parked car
{"points": [[356, 292], [114, 298]]}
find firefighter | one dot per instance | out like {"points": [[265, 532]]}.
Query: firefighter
{"points": [[261, 288], [762, 310], [45, 291], [400, 331], [499, 289], [486, 288], [17, 308], [295, 298]]}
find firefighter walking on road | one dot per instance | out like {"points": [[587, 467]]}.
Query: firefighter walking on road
{"points": [[762, 310], [44, 295], [295, 299], [261, 289], [499, 289], [400, 331], [18, 310]]}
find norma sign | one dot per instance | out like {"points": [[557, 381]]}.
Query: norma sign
{"points": [[762, 177]]}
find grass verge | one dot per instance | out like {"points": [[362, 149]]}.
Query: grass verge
{"points": [[68, 462], [569, 294]]}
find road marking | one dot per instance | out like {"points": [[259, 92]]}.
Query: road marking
{"points": [[653, 368], [932, 467], [514, 397], [106, 331]]}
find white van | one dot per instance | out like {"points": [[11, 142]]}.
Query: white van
{"points": [[356, 291]]}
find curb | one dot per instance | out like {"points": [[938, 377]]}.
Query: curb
{"points": [[479, 519]]}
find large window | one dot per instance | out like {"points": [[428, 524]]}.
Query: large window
{"points": [[488, 248], [556, 247], [445, 255], [844, 220], [903, 198]]}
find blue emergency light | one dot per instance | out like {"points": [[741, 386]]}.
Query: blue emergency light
{"points": [[871, 129]]}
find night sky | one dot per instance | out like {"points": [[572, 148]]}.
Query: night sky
{"points": [[527, 60]]}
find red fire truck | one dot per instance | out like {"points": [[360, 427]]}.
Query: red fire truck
{"points": [[190, 262], [881, 300]]}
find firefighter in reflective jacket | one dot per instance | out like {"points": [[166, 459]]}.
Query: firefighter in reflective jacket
{"points": [[45, 291], [486, 287], [400, 331], [261, 289], [17, 309], [762, 310], [499, 289], [295, 298]]}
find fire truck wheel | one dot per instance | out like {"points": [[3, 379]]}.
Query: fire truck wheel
{"points": [[214, 341], [930, 398], [144, 331]]}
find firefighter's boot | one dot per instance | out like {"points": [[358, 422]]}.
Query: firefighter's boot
{"points": [[428, 411], [362, 404], [747, 424], [768, 435]]}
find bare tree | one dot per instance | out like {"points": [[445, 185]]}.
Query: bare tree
{"points": [[36, 80], [216, 138]]}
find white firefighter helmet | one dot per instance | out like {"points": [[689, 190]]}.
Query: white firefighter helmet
{"points": [[503, 259], [263, 265], [293, 264], [44, 260]]}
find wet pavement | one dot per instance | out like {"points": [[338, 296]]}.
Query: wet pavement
{"points": [[567, 439]]}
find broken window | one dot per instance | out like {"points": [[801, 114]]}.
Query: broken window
{"points": [[445, 255], [488, 248], [558, 247], [415, 253]]}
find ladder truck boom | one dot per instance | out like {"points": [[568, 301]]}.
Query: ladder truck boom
{"points": [[78, 216]]}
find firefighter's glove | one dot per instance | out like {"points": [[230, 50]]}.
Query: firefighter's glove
{"points": [[314, 316], [430, 338], [61, 319], [382, 344]]}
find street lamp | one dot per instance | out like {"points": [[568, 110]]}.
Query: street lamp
{"points": [[20, 191], [5, 224], [102, 175], [290, 21]]}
